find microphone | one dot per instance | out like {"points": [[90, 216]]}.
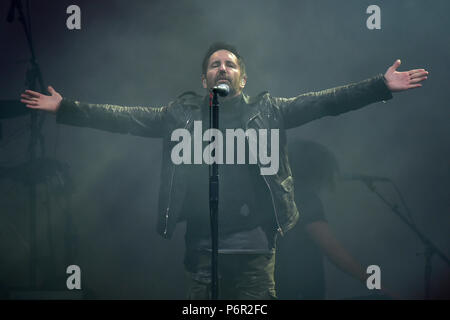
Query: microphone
{"points": [[222, 89], [12, 11], [361, 177]]}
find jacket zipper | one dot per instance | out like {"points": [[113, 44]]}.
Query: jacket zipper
{"points": [[279, 229], [171, 187]]}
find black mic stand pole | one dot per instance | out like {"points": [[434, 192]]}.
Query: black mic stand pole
{"points": [[430, 248], [33, 75], [214, 199]]}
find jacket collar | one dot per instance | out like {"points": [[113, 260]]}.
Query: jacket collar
{"points": [[255, 99], [246, 98]]}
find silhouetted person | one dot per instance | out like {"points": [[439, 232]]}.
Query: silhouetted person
{"points": [[299, 268]]}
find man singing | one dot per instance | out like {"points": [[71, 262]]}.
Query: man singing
{"points": [[254, 209]]}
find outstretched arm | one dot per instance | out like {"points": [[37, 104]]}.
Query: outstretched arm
{"points": [[331, 102], [140, 121]]}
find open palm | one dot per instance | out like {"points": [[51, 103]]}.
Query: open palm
{"points": [[400, 81], [36, 100]]}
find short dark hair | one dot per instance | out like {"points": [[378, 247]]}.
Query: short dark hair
{"points": [[216, 46]]}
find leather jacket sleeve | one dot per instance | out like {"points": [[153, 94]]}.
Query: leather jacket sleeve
{"points": [[331, 102], [139, 121]]}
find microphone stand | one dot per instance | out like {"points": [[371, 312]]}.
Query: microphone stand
{"points": [[33, 76], [214, 199], [430, 248]]}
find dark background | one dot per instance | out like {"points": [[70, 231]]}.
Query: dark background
{"points": [[148, 52]]}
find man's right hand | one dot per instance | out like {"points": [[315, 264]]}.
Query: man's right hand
{"points": [[36, 100]]}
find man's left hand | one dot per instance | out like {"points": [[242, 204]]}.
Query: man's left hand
{"points": [[401, 81]]}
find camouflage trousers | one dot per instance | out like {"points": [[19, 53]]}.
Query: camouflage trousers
{"points": [[241, 277]]}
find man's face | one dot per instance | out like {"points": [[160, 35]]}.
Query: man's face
{"points": [[223, 67]]}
